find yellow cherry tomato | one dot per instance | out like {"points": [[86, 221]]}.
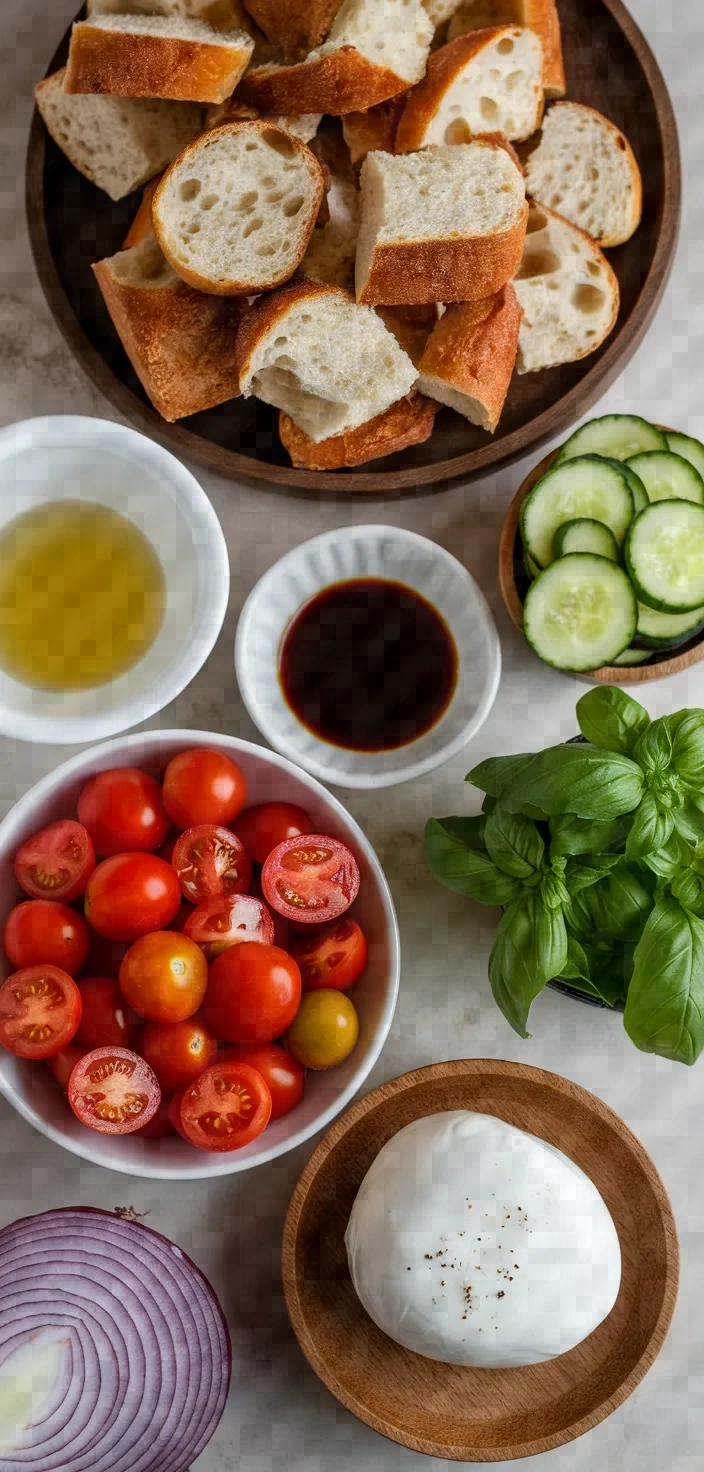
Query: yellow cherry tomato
{"points": [[325, 1029]]}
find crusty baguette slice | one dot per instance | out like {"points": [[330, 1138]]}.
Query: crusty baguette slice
{"points": [[116, 143], [470, 356], [489, 81], [236, 210], [297, 26], [156, 56], [443, 225], [411, 326], [180, 343], [329, 364], [585, 169], [568, 292], [227, 15], [540, 15], [373, 131], [304, 127], [409, 422], [376, 49]]}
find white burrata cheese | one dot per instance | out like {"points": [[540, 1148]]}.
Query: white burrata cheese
{"points": [[477, 1244]]}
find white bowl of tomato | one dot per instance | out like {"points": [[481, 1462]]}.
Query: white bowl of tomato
{"points": [[200, 955]]}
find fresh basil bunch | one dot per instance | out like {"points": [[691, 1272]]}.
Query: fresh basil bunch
{"points": [[595, 852]]}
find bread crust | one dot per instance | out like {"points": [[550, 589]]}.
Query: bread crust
{"points": [[540, 16], [606, 241], [473, 351], [296, 25], [408, 422], [458, 269], [611, 279], [141, 228], [266, 312], [341, 82], [374, 130], [426, 97], [130, 64]]}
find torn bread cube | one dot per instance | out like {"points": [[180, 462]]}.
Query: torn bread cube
{"points": [[585, 169], [540, 15], [156, 56], [409, 422], [373, 131], [568, 292], [490, 81], [411, 326], [470, 356], [304, 127]]}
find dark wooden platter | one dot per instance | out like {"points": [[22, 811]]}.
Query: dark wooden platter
{"points": [[609, 65]]}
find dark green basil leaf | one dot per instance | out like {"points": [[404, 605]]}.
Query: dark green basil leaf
{"points": [[498, 773], [578, 918], [611, 973], [488, 804], [464, 868], [513, 842], [650, 831], [553, 889], [688, 749], [576, 967], [688, 887], [617, 906], [529, 949], [653, 750], [564, 779], [583, 871], [571, 835], [667, 860], [610, 719], [689, 822], [665, 1003]]}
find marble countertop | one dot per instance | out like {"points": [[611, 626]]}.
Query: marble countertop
{"points": [[279, 1418]]}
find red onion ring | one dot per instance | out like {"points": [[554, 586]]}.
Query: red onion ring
{"points": [[146, 1363]]}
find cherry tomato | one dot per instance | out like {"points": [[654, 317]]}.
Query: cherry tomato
{"points": [[160, 1124], [324, 1031], [62, 1064], [282, 1074], [164, 976], [114, 1091], [254, 992], [131, 894], [123, 811], [40, 1009], [174, 1113], [226, 1108], [45, 933], [57, 862], [177, 1051], [310, 880], [265, 826], [211, 862], [332, 957], [183, 913], [203, 786], [219, 924], [104, 1022]]}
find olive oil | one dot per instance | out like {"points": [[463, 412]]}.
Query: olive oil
{"points": [[82, 596]]}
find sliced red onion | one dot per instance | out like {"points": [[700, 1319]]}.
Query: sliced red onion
{"points": [[144, 1362]]}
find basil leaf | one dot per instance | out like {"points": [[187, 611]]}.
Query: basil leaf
{"points": [[584, 871], [667, 860], [529, 949], [577, 917], [653, 750], [688, 749], [498, 773], [464, 868], [617, 906], [611, 719], [689, 822], [665, 1003], [688, 887], [570, 835], [564, 779], [514, 843], [650, 831], [611, 974], [576, 967]]}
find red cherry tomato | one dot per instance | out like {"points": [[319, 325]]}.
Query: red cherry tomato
{"points": [[160, 1123], [310, 880], [57, 862], [114, 1091], [211, 862], [226, 1108], [221, 923], [265, 826], [40, 1009], [45, 933], [203, 786], [123, 811], [62, 1064], [177, 1051], [104, 1022], [254, 992], [131, 894], [164, 976], [332, 957], [282, 1074]]}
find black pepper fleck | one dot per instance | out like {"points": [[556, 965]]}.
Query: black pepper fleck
{"points": [[501, 1294]]}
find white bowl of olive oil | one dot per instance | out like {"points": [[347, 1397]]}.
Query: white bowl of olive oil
{"points": [[114, 578]]}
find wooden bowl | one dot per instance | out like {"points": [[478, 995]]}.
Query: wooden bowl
{"points": [[449, 1411], [609, 65], [514, 583]]}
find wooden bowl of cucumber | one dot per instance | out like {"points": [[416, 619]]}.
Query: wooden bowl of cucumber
{"points": [[601, 558]]}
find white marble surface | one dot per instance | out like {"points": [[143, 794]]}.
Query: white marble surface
{"points": [[279, 1419]]}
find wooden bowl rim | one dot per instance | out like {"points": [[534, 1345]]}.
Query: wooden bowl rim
{"points": [[563, 1088], [552, 421]]}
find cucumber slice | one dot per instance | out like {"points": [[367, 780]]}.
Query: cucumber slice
{"points": [[581, 612], [632, 656], [531, 567], [617, 436], [666, 630], [638, 491], [686, 446], [586, 487], [665, 556], [585, 535], [668, 477]]}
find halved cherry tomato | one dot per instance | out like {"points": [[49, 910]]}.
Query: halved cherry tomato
{"points": [[265, 826], [164, 976], [282, 1074], [40, 1009], [114, 1091], [254, 992], [57, 862], [104, 1022], [177, 1051], [211, 862], [325, 1030], [221, 923], [62, 1064], [310, 880], [45, 933], [183, 913], [226, 1108], [174, 1113], [131, 894], [123, 811], [203, 786], [160, 1124], [332, 957]]}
